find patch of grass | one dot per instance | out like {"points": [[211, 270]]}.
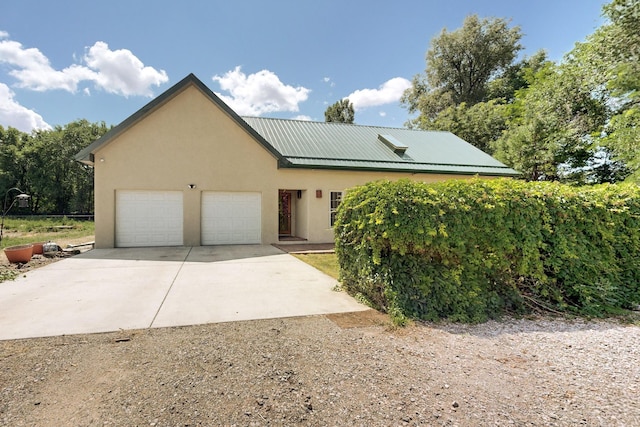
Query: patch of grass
{"points": [[7, 274], [20, 231], [327, 263]]}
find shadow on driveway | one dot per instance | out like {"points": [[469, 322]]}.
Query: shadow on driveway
{"points": [[182, 253]]}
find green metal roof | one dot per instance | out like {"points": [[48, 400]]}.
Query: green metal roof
{"points": [[305, 144], [320, 145]]}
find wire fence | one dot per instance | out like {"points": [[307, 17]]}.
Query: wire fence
{"points": [[86, 217]]}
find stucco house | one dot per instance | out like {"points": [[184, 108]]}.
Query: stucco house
{"points": [[187, 170]]}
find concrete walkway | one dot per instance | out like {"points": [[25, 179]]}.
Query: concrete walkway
{"points": [[111, 289]]}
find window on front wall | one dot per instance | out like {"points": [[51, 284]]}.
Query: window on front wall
{"points": [[335, 199]]}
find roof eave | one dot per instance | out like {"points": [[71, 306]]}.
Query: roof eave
{"points": [[507, 173]]}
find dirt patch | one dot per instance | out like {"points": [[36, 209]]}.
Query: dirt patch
{"points": [[38, 261], [359, 319]]}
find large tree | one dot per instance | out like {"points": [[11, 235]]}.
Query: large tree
{"points": [[610, 59], [515, 77], [578, 120], [552, 127], [42, 164], [460, 65], [480, 125], [67, 184], [575, 121], [13, 164], [341, 112]]}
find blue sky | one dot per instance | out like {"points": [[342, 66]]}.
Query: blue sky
{"points": [[101, 61]]}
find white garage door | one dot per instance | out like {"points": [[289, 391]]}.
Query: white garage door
{"points": [[148, 218], [231, 218]]}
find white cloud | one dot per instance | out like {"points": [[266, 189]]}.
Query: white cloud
{"points": [[121, 72], [303, 117], [15, 115], [259, 93], [34, 71], [3, 34], [382, 114], [114, 71], [388, 93]]}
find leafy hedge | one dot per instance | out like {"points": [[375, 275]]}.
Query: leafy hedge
{"points": [[472, 250]]}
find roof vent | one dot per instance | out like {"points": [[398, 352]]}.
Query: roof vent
{"points": [[393, 143]]}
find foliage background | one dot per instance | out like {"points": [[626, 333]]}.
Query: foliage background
{"points": [[574, 121], [42, 165]]}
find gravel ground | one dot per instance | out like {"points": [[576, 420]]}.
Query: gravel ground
{"points": [[328, 370]]}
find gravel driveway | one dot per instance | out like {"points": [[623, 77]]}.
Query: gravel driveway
{"points": [[343, 369]]}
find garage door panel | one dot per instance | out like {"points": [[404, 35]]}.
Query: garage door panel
{"points": [[231, 218], [149, 218]]}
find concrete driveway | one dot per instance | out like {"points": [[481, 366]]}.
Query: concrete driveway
{"points": [[111, 289]]}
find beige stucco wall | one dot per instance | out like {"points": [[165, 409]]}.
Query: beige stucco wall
{"points": [[190, 140], [316, 210]]}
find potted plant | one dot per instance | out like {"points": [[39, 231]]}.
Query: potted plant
{"points": [[37, 248], [19, 254]]}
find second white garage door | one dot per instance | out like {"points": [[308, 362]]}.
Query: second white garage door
{"points": [[231, 218]]}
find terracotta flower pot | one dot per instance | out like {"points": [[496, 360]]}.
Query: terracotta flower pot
{"points": [[19, 254], [37, 248]]}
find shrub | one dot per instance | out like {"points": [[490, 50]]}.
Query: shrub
{"points": [[472, 250]]}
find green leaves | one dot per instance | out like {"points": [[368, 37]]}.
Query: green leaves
{"points": [[460, 64], [480, 124], [42, 164], [340, 112], [561, 121], [462, 61], [623, 139], [551, 128], [470, 250]]}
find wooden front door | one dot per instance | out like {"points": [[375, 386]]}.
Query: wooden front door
{"points": [[284, 226]]}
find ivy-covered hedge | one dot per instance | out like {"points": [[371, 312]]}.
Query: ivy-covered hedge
{"points": [[472, 250]]}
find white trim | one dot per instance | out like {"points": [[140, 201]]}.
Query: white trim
{"points": [[331, 208]]}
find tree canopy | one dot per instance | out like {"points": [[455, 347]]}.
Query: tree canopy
{"points": [[575, 120], [42, 164], [460, 65], [340, 112], [551, 126], [610, 59]]}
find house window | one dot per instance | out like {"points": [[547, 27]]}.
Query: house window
{"points": [[336, 198]]}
